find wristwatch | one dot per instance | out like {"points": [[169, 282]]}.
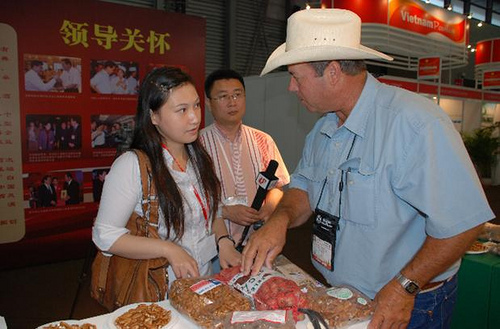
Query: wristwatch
{"points": [[408, 285]]}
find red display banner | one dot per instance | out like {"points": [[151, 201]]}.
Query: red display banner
{"points": [[432, 21], [429, 67], [411, 15], [76, 68], [488, 51], [370, 11], [491, 80]]}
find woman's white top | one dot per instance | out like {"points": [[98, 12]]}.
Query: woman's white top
{"points": [[122, 195]]}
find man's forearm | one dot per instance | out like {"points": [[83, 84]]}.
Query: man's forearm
{"points": [[436, 255], [273, 197], [293, 208]]}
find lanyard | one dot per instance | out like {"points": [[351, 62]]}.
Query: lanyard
{"points": [[235, 164], [204, 208], [341, 183]]}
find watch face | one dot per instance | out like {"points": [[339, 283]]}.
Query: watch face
{"points": [[412, 288]]}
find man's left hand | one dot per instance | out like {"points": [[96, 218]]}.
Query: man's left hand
{"points": [[393, 307]]}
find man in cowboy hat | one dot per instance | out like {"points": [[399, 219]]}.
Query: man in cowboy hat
{"points": [[395, 198]]}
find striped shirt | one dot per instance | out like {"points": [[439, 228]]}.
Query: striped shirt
{"points": [[237, 163]]}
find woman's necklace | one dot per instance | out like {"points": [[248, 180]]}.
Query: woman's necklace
{"points": [[204, 208], [181, 168]]}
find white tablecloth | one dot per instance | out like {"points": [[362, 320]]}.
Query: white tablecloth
{"points": [[179, 321]]}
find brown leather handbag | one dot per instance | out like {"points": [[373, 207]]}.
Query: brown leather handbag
{"points": [[118, 281]]}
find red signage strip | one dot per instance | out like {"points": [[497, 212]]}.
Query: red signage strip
{"points": [[491, 97], [491, 80], [461, 93], [432, 89], [408, 85], [429, 68]]}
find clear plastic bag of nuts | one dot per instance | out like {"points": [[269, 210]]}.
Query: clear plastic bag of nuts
{"points": [[268, 289], [341, 306], [206, 301]]}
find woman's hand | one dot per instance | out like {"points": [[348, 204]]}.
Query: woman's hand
{"points": [[228, 255], [182, 263]]}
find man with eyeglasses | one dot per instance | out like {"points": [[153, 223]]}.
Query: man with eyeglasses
{"points": [[239, 153]]}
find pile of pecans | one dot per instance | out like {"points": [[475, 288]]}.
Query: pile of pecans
{"points": [[150, 316]]}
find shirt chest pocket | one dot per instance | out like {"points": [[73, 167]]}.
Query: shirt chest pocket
{"points": [[359, 194], [316, 178]]}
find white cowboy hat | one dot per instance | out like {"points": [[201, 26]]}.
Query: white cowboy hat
{"points": [[319, 35]]}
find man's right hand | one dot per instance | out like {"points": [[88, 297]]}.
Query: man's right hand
{"points": [[264, 246], [241, 214]]}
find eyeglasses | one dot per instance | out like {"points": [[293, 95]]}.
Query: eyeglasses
{"points": [[226, 98]]}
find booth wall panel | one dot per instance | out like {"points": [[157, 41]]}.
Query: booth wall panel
{"points": [[257, 36], [215, 14], [472, 116], [453, 107]]}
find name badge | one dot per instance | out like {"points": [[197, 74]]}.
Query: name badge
{"points": [[324, 235], [208, 249]]}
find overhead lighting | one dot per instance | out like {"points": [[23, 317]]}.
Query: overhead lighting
{"points": [[469, 46], [450, 7], [472, 50], [427, 1], [480, 24], [308, 6], [469, 16]]}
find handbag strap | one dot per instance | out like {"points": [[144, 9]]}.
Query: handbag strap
{"points": [[149, 202], [103, 275]]}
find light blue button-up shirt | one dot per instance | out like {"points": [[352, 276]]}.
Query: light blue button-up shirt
{"points": [[408, 176]]}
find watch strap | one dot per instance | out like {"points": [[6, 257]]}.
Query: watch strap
{"points": [[410, 286]]}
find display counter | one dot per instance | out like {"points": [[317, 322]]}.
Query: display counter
{"points": [[178, 321], [207, 301]]}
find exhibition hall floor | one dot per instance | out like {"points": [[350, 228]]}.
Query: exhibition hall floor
{"points": [[33, 296]]}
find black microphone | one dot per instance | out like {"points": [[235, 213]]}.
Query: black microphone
{"points": [[266, 180]]}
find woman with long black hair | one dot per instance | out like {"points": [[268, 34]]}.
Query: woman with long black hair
{"points": [[167, 124]]}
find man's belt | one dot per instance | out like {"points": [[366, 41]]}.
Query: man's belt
{"points": [[435, 285]]}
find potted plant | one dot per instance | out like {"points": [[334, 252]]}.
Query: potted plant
{"points": [[483, 145]]}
